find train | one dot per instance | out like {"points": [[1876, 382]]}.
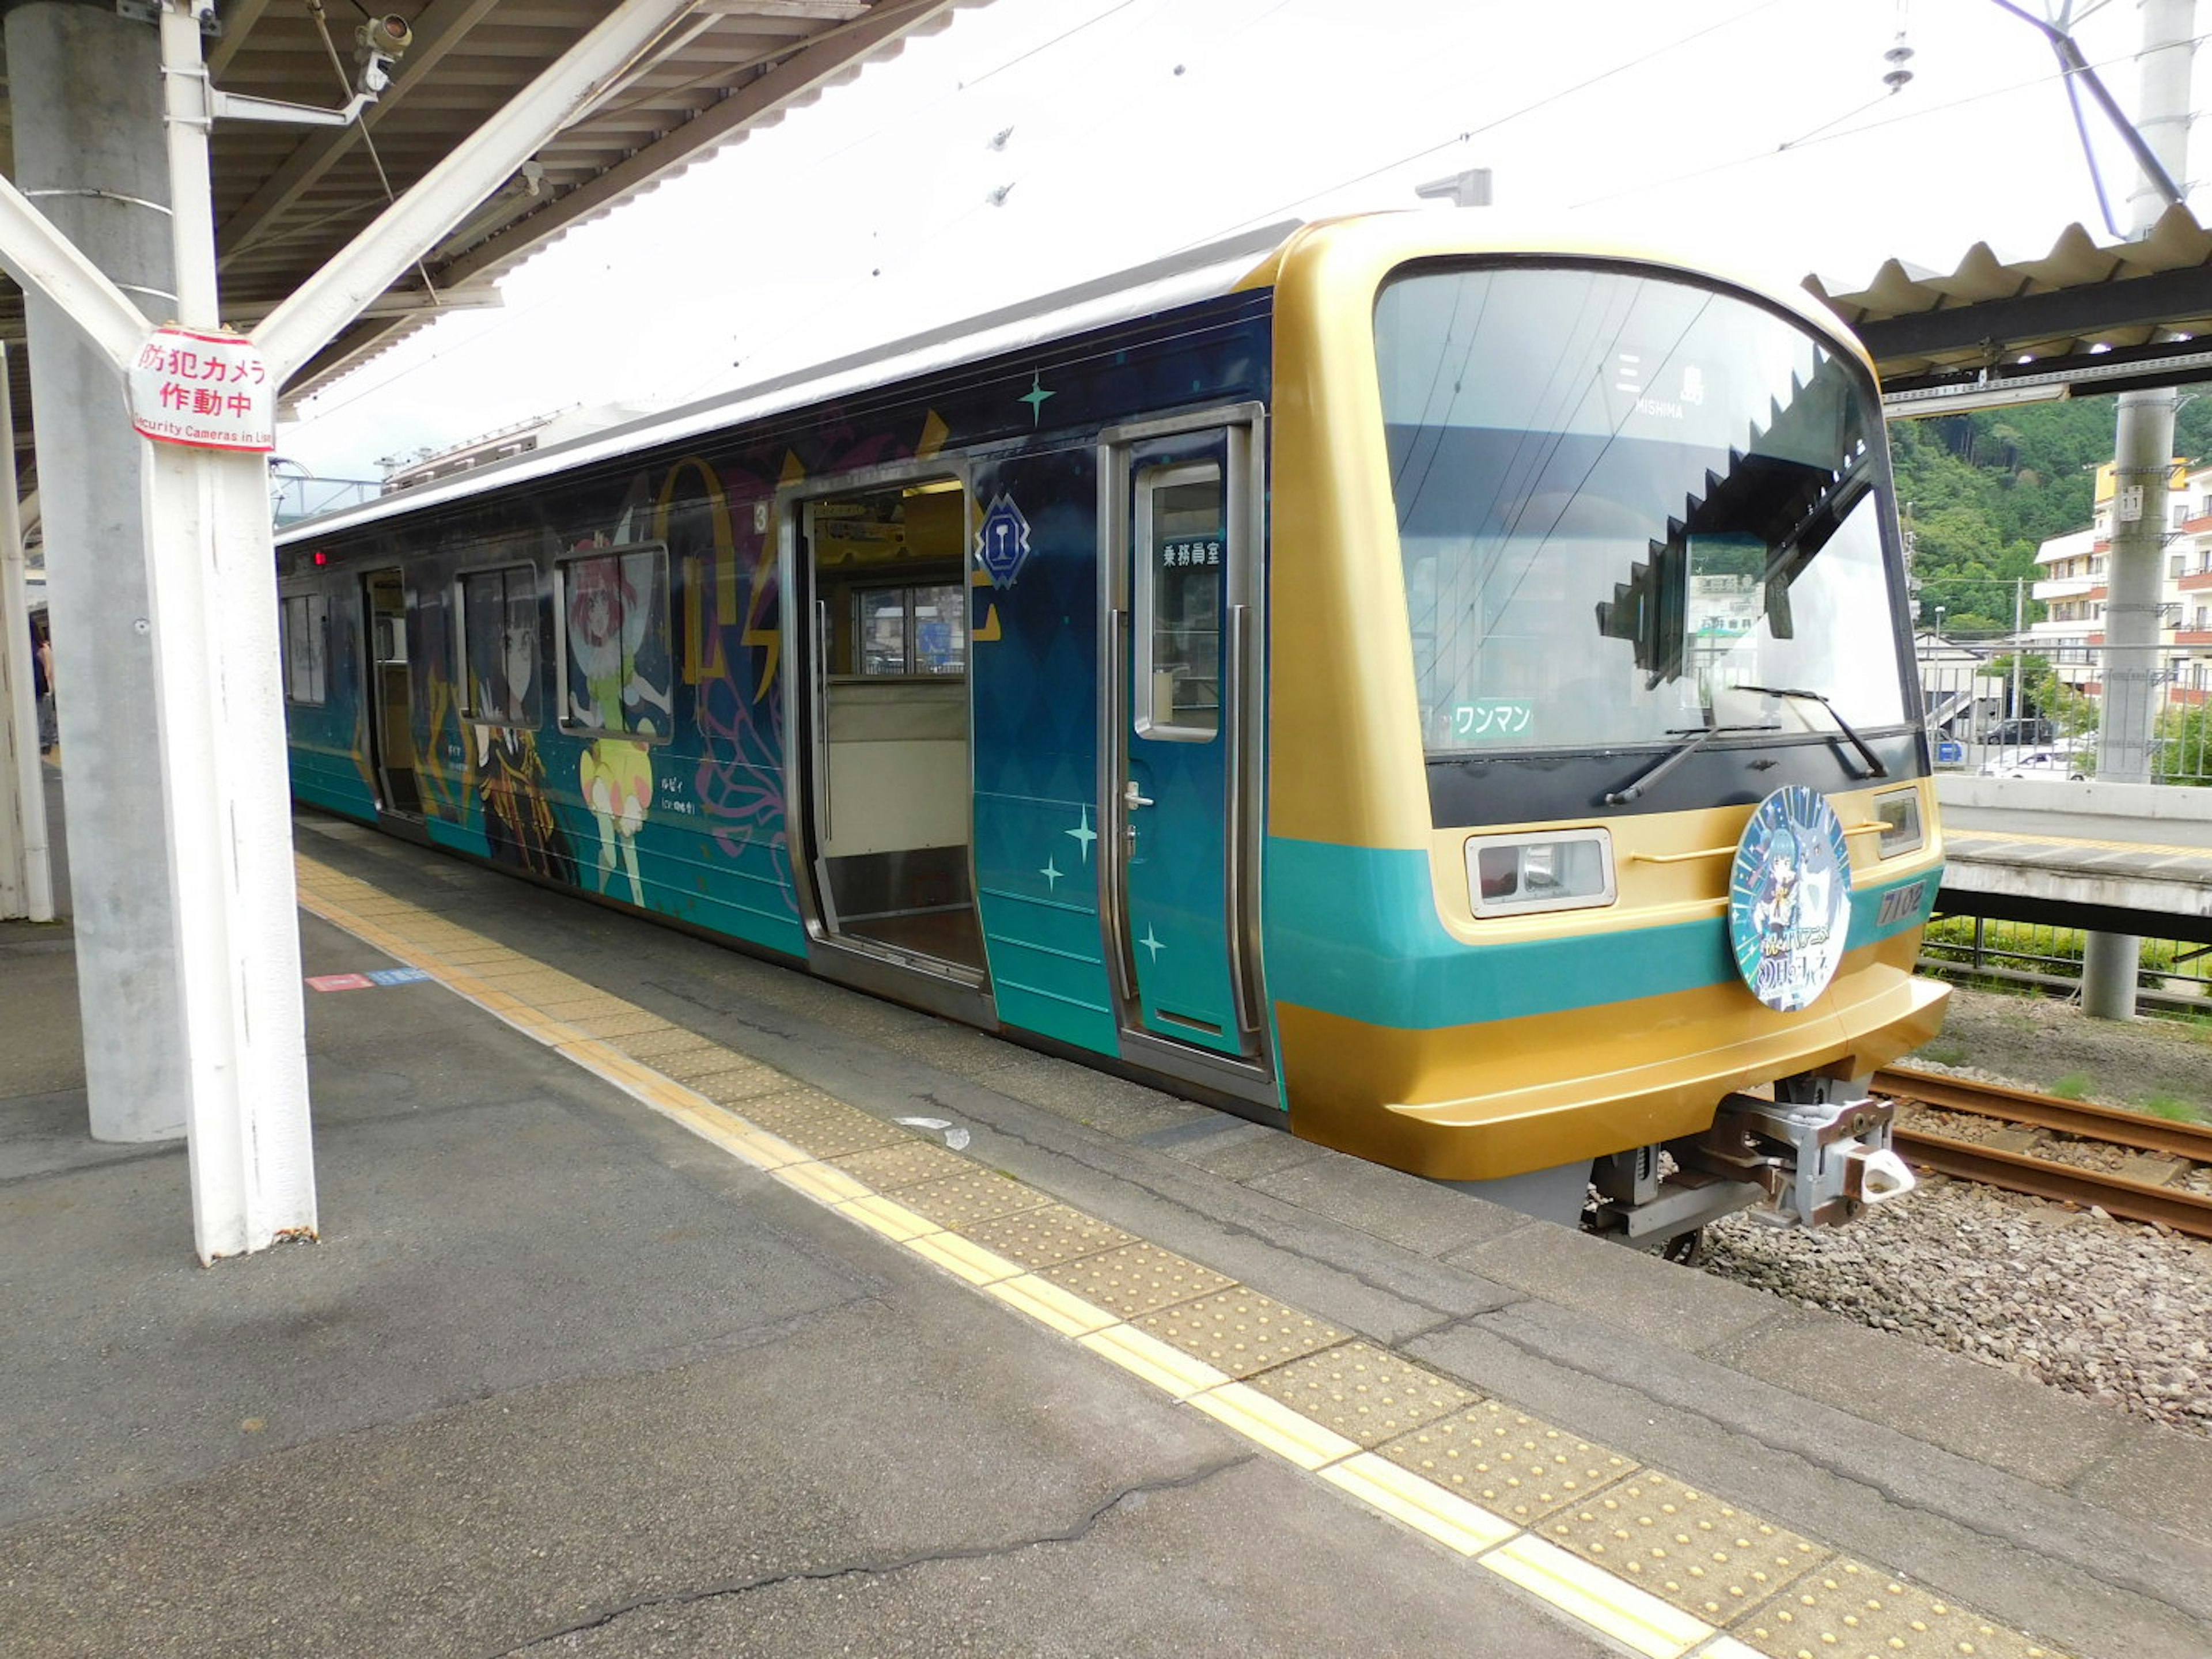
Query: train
{"points": [[1441, 688]]}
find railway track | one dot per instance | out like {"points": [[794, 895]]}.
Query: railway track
{"points": [[2141, 1190]]}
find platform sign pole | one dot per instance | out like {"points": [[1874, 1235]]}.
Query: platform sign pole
{"points": [[222, 732]]}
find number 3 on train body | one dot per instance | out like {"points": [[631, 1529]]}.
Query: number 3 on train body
{"points": [[1182, 536]]}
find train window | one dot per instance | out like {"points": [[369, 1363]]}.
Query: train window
{"points": [[1182, 524], [307, 629], [1619, 497], [617, 670], [920, 629], [499, 645]]}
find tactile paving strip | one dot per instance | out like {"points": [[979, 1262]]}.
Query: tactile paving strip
{"points": [[1137, 1278], [1852, 1612], [1684, 1545], [887, 1168], [1477, 1480], [966, 1199], [1049, 1235], [1512, 1465], [1240, 1331], [823, 1125], [1363, 1393]]}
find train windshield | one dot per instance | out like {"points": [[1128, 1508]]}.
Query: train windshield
{"points": [[1625, 500]]}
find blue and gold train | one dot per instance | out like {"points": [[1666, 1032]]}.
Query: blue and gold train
{"points": [[1451, 696]]}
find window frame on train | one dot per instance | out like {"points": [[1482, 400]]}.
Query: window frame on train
{"points": [[658, 623], [532, 699], [304, 627]]}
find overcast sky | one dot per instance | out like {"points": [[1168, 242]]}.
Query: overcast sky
{"points": [[1036, 143]]}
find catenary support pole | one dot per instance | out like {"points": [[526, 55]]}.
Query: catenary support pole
{"points": [[85, 87], [26, 876], [2142, 456]]}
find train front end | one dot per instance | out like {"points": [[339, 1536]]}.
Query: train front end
{"points": [[1600, 831]]}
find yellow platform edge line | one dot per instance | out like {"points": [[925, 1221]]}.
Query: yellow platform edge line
{"points": [[1726, 1647], [1420, 1504], [1058, 1309], [1268, 1422], [892, 1219], [1164, 1366], [1635, 1617], [963, 1258]]}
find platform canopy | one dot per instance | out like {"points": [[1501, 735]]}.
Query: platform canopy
{"points": [[289, 198], [2086, 318]]}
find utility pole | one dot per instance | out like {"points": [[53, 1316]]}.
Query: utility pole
{"points": [[2019, 638], [2142, 460]]}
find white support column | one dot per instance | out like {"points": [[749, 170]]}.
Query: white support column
{"points": [[229, 823], [219, 708], [27, 872]]}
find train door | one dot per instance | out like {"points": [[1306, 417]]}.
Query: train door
{"points": [[390, 693], [882, 775], [1180, 787]]}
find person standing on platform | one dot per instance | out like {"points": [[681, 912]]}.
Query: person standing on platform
{"points": [[42, 676]]}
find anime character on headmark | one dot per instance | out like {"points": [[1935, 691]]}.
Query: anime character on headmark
{"points": [[618, 675], [1789, 899]]}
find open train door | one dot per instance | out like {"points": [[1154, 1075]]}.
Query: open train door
{"points": [[1181, 780], [389, 694]]}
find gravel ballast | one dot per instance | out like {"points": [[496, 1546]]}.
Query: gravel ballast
{"points": [[2115, 1310]]}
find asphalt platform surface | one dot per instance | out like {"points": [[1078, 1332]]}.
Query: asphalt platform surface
{"points": [[561, 1376]]}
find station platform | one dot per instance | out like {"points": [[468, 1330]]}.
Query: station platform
{"points": [[2122, 857], [668, 1302]]}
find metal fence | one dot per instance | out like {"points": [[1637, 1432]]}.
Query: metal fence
{"points": [[2171, 976], [2036, 712]]}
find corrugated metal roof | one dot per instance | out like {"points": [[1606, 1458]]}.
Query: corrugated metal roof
{"points": [[2089, 315], [286, 199]]}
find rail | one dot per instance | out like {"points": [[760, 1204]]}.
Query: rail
{"points": [[2131, 1197]]}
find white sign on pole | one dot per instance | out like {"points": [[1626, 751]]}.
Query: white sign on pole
{"points": [[2131, 503], [211, 391]]}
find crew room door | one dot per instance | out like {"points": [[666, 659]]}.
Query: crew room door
{"points": [[1181, 783]]}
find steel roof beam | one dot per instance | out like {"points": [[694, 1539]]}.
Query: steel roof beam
{"points": [[2073, 313], [438, 31], [328, 301], [800, 72]]}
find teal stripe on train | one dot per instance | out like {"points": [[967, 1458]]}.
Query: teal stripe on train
{"points": [[1354, 931]]}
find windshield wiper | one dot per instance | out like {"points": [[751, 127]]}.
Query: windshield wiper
{"points": [[1699, 737], [1874, 768]]}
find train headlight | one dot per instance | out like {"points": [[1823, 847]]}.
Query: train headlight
{"points": [[1556, 870], [1898, 811]]}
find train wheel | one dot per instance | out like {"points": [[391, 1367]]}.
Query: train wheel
{"points": [[1684, 1248]]}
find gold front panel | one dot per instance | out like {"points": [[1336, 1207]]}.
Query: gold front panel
{"points": [[1480, 1100]]}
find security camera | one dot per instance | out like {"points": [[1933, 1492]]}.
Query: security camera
{"points": [[388, 34], [382, 40]]}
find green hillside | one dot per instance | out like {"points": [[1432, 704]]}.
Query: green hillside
{"points": [[1980, 491]]}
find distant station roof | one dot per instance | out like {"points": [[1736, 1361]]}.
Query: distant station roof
{"points": [[2084, 318], [288, 198]]}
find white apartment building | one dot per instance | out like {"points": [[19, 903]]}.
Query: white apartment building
{"points": [[2074, 588]]}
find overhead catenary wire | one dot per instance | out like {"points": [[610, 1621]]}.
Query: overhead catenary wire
{"points": [[1549, 99], [1809, 141]]}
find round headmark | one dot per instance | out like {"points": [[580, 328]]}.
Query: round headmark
{"points": [[1790, 898]]}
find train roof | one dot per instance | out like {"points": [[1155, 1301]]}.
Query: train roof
{"points": [[1199, 273], [1250, 259]]}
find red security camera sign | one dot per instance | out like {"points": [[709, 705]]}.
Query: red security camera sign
{"points": [[213, 391]]}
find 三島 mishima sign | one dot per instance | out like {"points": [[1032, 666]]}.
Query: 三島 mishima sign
{"points": [[210, 390]]}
